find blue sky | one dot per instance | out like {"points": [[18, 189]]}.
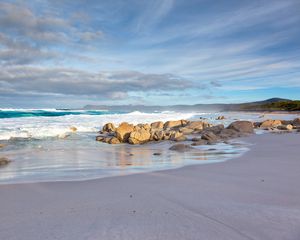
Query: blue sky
{"points": [[64, 53]]}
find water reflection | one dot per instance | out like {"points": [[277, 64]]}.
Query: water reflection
{"points": [[80, 157]]}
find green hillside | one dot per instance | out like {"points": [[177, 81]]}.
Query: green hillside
{"points": [[276, 106]]}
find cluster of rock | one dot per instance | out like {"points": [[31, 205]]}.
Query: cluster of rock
{"points": [[199, 132], [157, 131], [272, 125], [174, 131], [219, 133]]}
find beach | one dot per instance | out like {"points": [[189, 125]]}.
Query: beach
{"points": [[255, 196]]}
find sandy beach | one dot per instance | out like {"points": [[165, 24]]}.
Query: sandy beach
{"points": [[255, 196]]}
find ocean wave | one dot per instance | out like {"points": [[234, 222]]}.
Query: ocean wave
{"points": [[18, 113], [38, 127]]}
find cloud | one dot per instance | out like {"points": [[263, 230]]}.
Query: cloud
{"points": [[113, 85], [20, 20], [157, 50], [29, 37]]}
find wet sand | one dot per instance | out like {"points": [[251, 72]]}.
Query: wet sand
{"points": [[255, 196]]}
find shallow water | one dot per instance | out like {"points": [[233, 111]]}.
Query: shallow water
{"points": [[80, 157], [39, 154]]}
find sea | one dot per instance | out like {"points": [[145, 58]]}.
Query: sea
{"points": [[43, 147]]}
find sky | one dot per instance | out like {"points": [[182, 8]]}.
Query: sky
{"points": [[69, 53]]}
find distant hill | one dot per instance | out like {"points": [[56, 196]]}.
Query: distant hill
{"points": [[286, 105], [272, 104]]}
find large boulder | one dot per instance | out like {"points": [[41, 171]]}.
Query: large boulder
{"points": [[296, 122], [226, 134], [197, 125], [123, 131], [139, 136], [215, 129], [109, 127], [210, 136], [242, 126], [173, 124], [157, 125], [270, 123], [181, 147]]}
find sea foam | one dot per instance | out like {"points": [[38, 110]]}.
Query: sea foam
{"points": [[43, 127]]}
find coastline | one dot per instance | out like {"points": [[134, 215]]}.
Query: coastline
{"points": [[254, 196]]}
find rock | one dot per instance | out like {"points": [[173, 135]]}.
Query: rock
{"points": [[139, 136], [123, 131], [197, 125], [173, 124], [210, 136], [142, 126], [114, 140], [175, 135], [2, 145], [73, 129], [105, 139], [270, 123], [109, 127], [229, 133], [4, 161], [296, 122], [186, 130], [286, 122], [200, 142], [100, 138], [242, 126], [215, 129], [288, 127], [167, 135], [158, 135], [157, 125], [181, 147], [220, 118]]}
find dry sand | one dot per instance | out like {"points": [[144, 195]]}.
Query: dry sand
{"points": [[256, 196]]}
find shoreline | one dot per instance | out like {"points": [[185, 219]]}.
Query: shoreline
{"points": [[254, 196]]}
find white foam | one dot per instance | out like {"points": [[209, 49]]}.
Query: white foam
{"points": [[41, 127]]}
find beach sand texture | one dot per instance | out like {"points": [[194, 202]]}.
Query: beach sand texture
{"points": [[256, 196]]}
